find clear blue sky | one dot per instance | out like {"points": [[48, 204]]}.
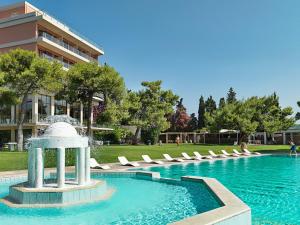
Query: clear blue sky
{"points": [[197, 47]]}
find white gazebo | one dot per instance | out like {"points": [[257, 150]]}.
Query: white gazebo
{"points": [[57, 137]]}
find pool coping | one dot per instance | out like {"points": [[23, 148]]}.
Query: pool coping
{"points": [[233, 206]]}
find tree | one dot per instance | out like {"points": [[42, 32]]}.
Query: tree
{"points": [[180, 119], [222, 102], [270, 115], [193, 122], [85, 80], [201, 113], [298, 113], [231, 96], [150, 107], [255, 114], [233, 116], [23, 73], [210, 105]]}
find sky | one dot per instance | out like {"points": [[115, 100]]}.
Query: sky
{"points": [[196, 47]]}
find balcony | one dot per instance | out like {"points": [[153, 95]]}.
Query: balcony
{"points": [[51, 58], [62, 25], [65, 45]]}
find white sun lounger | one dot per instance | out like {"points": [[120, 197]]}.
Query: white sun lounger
{"points": [[214, 155], [187, 157], [199, 156], [95, 165], [227, 154], [147, 159], [124, 162], [251, 153], [170, 159], [238, 153]]}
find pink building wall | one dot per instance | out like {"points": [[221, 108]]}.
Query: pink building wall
{"points": [[20, 9], [18, 32], [30, 47], [13, 11]]}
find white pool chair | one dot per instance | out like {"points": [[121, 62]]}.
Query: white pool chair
{"points": [[238, 153], [251, 153], [170, 159], [199, 156], [214, 155], [95, 165], [227, 154], [124, 162], [187, 157], [147, 159]]}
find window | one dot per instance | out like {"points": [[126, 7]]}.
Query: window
{"points": [[60, 107], [28, 110], [85, 115], [44, 106], [5, 114], [75, 111]]}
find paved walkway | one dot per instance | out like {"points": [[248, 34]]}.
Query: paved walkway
{"points": [[115, 167]]}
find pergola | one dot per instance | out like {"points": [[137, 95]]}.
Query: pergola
{"points": [[226, 131]]}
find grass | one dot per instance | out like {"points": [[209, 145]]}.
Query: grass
{"points": [[106, 154]]}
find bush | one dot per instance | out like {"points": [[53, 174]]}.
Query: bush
{"points": [[150, 136]]}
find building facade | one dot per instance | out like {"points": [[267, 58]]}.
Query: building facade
{"points": [[24, 26]]}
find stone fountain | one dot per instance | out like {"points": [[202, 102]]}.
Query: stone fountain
{"points": [[59, 191]]}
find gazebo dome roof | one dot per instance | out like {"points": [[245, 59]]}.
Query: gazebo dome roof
{"points": [[60, 129]]}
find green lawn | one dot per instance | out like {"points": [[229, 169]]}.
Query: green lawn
{"points": [[18, 160]]}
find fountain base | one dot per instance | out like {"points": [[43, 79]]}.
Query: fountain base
{"points": [[20, 195]]}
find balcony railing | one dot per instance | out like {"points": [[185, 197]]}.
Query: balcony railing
{"points": [[6, 121], [65, 45], [54, 20], [51, 58]]}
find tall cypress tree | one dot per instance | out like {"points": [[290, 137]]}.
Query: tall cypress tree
{"points": [[201, 112], [210, 105], [222, 103], [231, 96], [298, 113]]}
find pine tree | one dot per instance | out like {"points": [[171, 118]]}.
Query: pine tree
{"points": [[231, 96], [298, 113], [210, 105], [222, 103], [201, 112], [193, 123]]}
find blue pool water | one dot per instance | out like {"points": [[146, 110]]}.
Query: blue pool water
{"points": [[135, 201], [270, 185]]}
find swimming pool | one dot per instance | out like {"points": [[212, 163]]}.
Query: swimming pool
{"points": [[135, 201], [270, 185]]}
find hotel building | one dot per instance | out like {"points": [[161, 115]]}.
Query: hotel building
{"points": [[24, 26]]}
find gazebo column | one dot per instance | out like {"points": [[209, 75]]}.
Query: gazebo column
{"points": [[76, 164], [81, 169], [87, 165], [39, 168], [60, 167], [31, 167]]}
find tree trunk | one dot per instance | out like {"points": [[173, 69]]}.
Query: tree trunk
{"points": [[89, 122], [135, 140], [20, 123]]}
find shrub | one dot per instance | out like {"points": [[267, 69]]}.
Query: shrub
{"points": [[150, 136]]}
